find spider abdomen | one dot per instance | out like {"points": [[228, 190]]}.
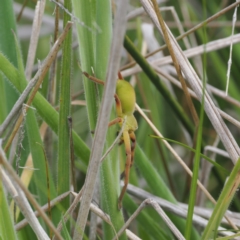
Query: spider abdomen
{"points": [[126, 94]]}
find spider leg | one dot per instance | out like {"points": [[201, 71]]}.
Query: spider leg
{"points": [[115, 121], [118, 105], [133, 146], [120, 75], [120, 142], [127, 143], [119, 112], [122, 175], [94, 79]]}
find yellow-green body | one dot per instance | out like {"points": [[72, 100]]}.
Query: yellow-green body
{"points": [[127, 96]]}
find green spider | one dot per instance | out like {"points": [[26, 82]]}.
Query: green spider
{"points": [[125, 99]]}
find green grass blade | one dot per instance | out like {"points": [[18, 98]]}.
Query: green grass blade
{"points": [[63, 165], [3, 102], [45, 110], [199, 129], [193, 189], [65, 232], [7, 230], [39, 160], [8, 24], [86, 38], [223, 202]]}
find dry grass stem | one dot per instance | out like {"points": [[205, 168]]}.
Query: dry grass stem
{"points": [[99, 213], [189, 53], [37, 21], [115, 141], [210, 88], [166, 219], [156, 131], [176, 64], [53, 202], [202, 49], [131, 235], [192, 78], [28, 14], [193, 29], [183, 164], [70, 210], [231, 47], [214, 90], [200, 25], [159, 210], [216, 150], [181, 209], [14, 177], [22, 202]]}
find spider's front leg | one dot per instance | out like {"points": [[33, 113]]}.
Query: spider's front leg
{"points": [[127, 144]]}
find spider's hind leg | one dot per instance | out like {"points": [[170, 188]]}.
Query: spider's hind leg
{"points": [[127, 143], [133, 146]]}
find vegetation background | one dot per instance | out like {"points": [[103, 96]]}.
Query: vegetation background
{"points": [[49, 140]]}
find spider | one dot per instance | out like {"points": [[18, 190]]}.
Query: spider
{"points": [[125, 99]]}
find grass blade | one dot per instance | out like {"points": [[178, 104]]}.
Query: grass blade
{"points": [[63, 165], [7, 230], [223, 202]]}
